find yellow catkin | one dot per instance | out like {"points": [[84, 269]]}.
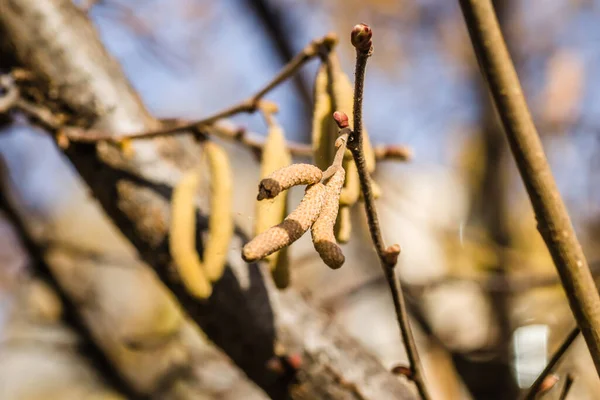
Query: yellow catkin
{"points": [[220, 222], [324, 129], [351, 190], [291, 229], [182, 236], [285, 178], [281, 272], [343, 224], [343, 100], [275, 155], [323, 229]]}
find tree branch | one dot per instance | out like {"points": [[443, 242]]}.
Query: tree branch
{"points": [[554, 360], [388, 257], [554, 223]]}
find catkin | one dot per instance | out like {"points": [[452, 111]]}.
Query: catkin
{"points": [[281, 272], [220, 221], [351, 190], [343, 224], [182, 236], [323, 229], [285, 178], [324, 130], [275, 155], [290, 230]]}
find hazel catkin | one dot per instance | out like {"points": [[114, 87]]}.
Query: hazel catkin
{"points": [[323, 229], [291, 229], [285, 178]]}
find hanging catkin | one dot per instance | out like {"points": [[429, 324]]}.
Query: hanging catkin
{"points": [[220, 223], [323, 229], [270, 212], [182, 236], [290, 230], [285, 178], [324, 130]]}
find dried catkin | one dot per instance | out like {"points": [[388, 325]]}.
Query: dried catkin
{"points": [[182, 236], [220, 221], [323, 229], [285, 178], [271, 212], [324, 129], [290, 230], [343, 100]]}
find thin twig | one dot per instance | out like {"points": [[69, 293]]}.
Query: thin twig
{"points": [[315, 49], [554, 223], [361, 39], [556, 357], [566, 387]]}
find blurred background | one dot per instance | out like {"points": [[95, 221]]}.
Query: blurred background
{"points": [[485, 300]]}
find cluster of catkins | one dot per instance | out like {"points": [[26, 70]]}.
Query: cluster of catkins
{"points": [[317, 211]]}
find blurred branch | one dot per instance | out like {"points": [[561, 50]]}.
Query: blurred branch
{"points": [[274, 22], [566, 387], [554, 360], [135, 192], [554, 223], [388, 256], [317, 48], [221, 128]]}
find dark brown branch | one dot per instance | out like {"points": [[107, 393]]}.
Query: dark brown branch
{"points": [[361, 39], [554, 360], [566, 387], [553, 219]]}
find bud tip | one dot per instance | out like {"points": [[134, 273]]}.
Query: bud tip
{"points": [[361, 37], [341, 119]]}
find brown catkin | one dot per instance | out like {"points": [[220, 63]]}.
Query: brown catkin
{"points": [[220, 223], [290, 230], [182, 236], [285, 178], [322, 230]]}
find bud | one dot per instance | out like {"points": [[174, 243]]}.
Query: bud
{"points": [[341, 119], [391, 255], [361, 37]]}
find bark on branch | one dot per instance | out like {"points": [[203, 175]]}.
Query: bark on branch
{"points": [[56, 41]]}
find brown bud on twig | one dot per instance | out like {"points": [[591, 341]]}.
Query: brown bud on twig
{"points": [[402, 370], [322, 231], [290, 230], [341, 119], [285, 178], [391, 255], [361, 37]]}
